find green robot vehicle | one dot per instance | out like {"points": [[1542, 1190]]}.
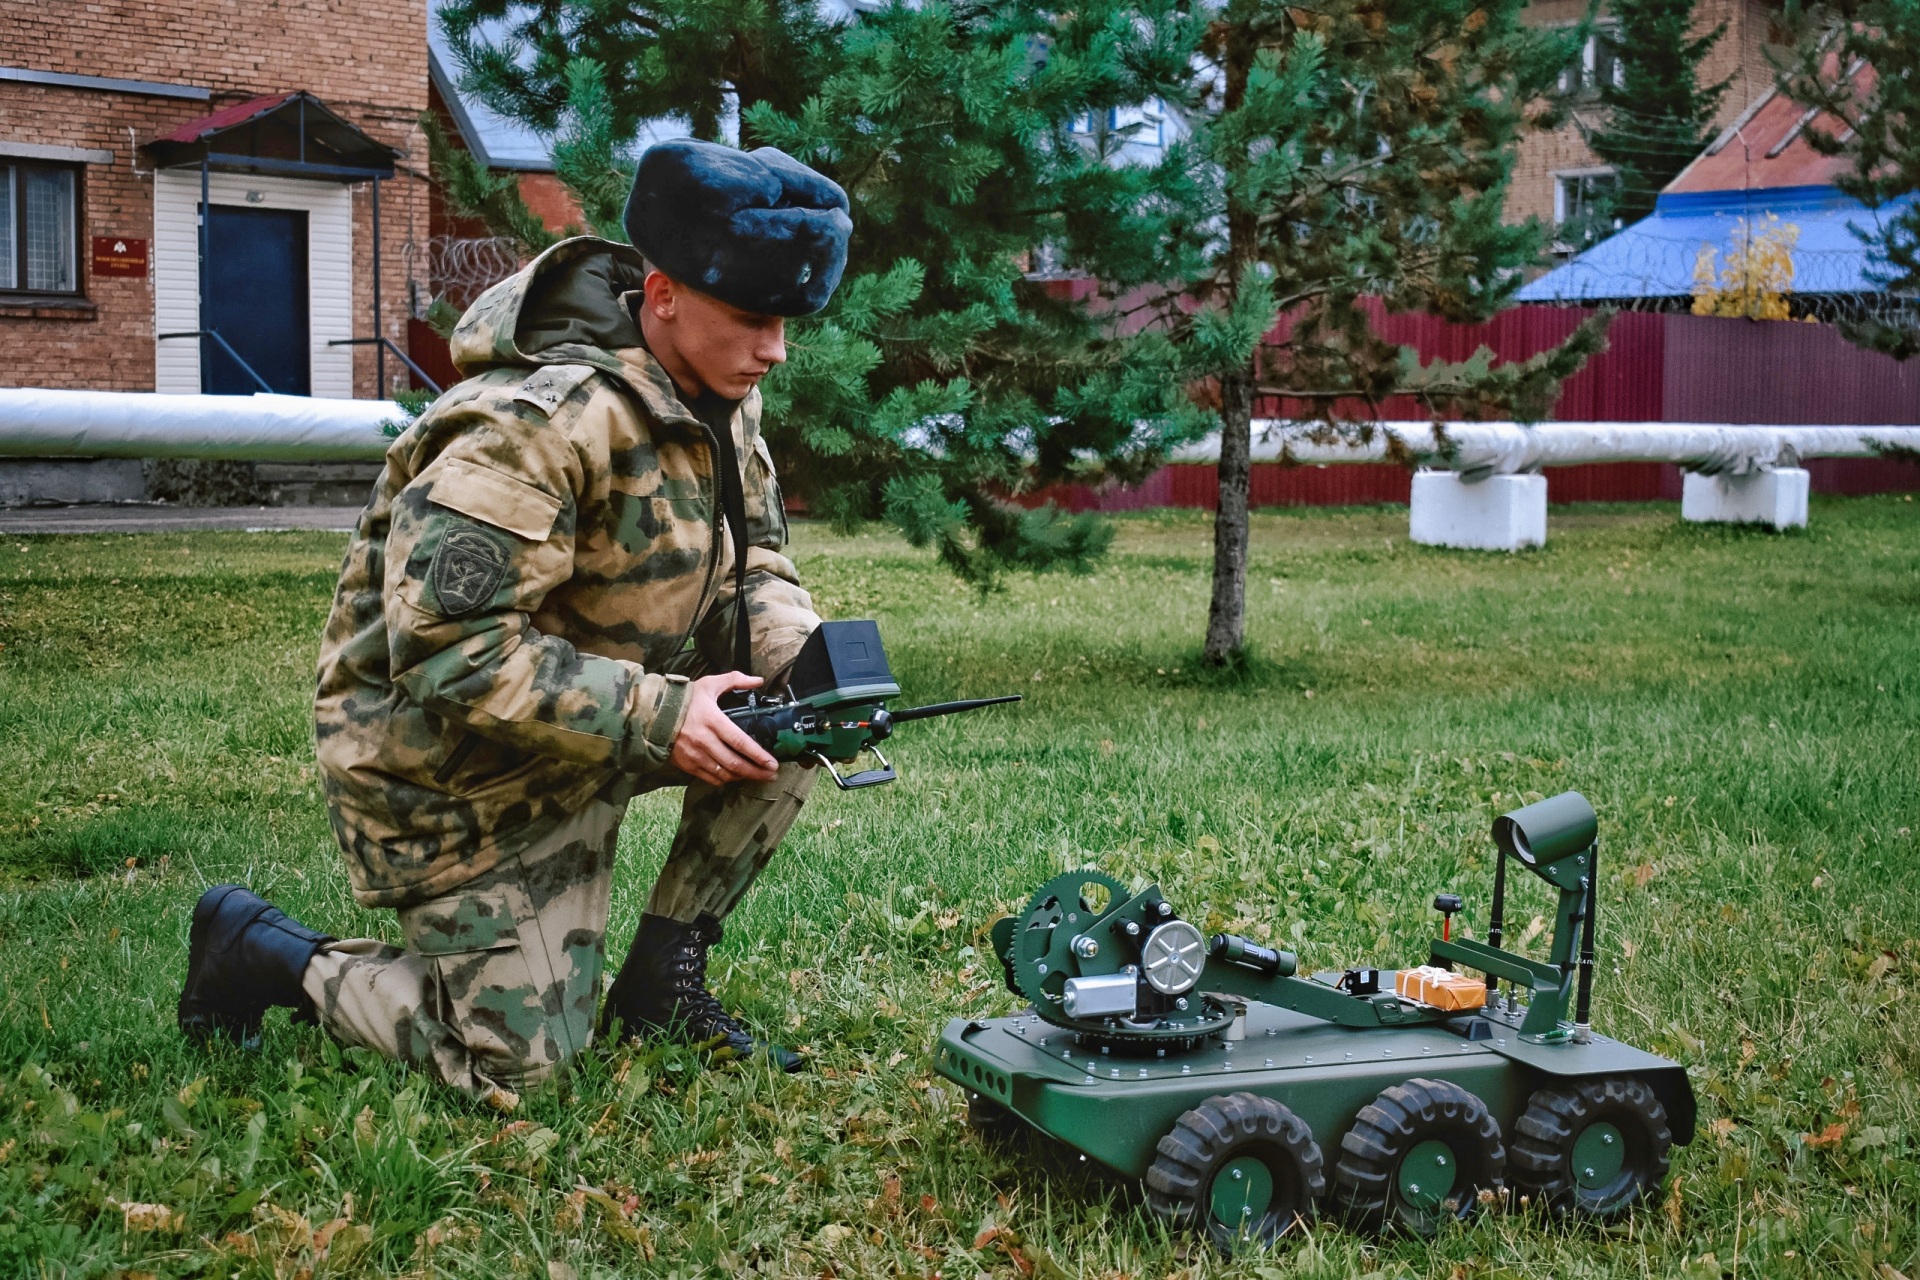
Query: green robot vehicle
{"points": [[1250, 1099]]}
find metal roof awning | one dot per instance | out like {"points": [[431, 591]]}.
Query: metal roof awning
{"points": [[291, 135], [1658, 256]]}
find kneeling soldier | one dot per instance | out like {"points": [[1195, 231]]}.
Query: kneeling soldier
{"points": [[572, 557]]}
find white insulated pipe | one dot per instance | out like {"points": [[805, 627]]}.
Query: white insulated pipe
{"points": [[1507, 448], [36, 423]]}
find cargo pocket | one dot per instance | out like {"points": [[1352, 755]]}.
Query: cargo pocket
{"points": [[472, 942]]}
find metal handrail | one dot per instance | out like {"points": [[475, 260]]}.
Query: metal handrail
{"points": [[388, 343], [224, 346]]}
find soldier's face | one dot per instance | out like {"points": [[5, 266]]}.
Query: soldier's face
{"points": [[706, 344]]}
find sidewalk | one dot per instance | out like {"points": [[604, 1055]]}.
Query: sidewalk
{"points": [[154, 518]]}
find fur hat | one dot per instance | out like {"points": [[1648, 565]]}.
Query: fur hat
{"points": [[756, 229]]}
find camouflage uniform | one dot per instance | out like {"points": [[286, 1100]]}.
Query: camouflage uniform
{"points": [[540, 572]]}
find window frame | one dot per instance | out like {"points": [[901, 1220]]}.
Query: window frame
{"points": [[1586, 177], [20, 166], [1580, 80]]}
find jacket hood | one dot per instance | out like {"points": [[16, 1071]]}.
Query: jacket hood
{"points": [[569, 306], [570, 296]]}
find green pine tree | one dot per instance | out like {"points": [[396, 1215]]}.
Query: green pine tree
{"points": [[944, 379], [1348, 150], [1657, 114], [697, 61], [1355, 149], [1858, 62]]}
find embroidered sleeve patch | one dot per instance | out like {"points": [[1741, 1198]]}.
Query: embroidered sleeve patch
{"points": [[466, 571]]}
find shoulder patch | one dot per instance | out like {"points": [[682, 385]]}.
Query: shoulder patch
{"points": [[548, 387], [466, 571]]}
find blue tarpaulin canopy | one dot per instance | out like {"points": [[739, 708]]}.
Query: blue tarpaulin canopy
{"points": [[1658, 256]]}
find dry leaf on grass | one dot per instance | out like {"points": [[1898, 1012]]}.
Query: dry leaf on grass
{"points": [[1827, 1137], [149, 1217]]}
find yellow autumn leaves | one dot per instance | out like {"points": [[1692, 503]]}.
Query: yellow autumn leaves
{"points": [[1755, 280]]}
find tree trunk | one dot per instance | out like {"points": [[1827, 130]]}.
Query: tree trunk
{"points": [[1227, 610]]}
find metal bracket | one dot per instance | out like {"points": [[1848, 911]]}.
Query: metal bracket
{"points": [[865, 778]]}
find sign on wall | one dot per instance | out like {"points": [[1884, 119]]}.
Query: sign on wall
{"points": [[119, 256]]}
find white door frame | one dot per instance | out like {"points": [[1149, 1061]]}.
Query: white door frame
{"points": [[176, 269]]}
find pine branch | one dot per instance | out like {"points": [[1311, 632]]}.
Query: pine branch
{"points": [[476, 192], [589, 155]]}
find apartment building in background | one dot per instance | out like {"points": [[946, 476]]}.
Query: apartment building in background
{"points": [[1557, 172]]}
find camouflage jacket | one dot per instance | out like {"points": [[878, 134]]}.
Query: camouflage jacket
{"points": [[541, 569]]}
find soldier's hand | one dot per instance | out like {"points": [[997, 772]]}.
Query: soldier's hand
{"points": [[710, 747]]}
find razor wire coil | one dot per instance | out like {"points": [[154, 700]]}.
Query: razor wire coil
{"points": [[460, 268]]}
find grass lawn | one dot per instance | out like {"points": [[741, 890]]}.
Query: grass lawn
{"points": [[1740, 707]]}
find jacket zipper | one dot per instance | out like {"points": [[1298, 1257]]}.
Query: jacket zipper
{"points": [[713, 543]]}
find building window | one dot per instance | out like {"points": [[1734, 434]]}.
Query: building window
{"points": [[39, 228], [1583, 208], [1598, 64], [1578, 195], [1143, 125]]}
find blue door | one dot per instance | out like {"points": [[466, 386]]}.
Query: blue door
{"points": [[256, 298]]}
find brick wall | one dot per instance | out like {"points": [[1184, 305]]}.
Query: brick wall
{"points": [[1739, 55], [358, 55], [366, 59], [552, 202], [108, 345]]}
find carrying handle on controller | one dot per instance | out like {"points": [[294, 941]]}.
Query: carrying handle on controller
{"points": [[865, 778]]}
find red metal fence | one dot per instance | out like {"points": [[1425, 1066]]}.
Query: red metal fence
{"points": [[1657, 368]]}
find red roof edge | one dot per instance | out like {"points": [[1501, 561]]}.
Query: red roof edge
{"points": [[226, 118]]}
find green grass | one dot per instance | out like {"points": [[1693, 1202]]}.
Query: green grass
{"points": [[1740, 707]]}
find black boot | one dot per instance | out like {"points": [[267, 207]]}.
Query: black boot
{"points": [[244, 956], [661, 991]]}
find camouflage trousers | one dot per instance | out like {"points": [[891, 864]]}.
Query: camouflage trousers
{"points": [[497, 985]]}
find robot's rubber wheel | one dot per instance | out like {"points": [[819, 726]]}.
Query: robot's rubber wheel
{"points": [[1418, 1154], [992, 1123], [1243, 1169], [1591, 1148]]}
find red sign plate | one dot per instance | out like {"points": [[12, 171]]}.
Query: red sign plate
{"points": [[119, 256]]}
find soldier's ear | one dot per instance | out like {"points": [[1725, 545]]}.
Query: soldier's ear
{"points": [[661, 294]]}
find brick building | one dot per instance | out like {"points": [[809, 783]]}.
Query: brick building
{"points": [[1554, 171], [294, 116]]}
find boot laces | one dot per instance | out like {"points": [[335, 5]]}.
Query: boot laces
{"points": [[698, 1007]]}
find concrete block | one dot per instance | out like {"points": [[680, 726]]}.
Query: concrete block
{"points": [[1498, 513], [1776, 498], [27, 482]]}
